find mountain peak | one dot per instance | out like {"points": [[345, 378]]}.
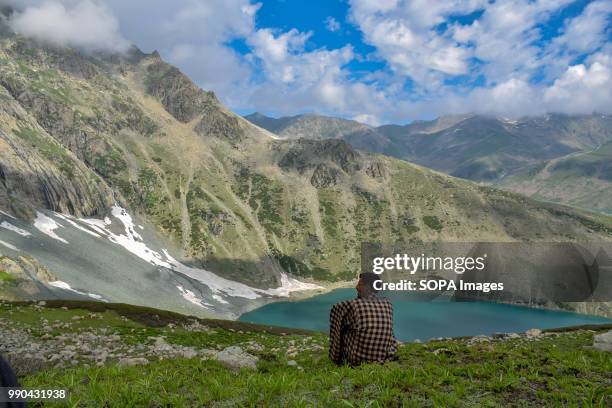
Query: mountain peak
{"points": [[257, 116]]}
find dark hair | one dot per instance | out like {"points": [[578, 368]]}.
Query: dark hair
{"points": [[368, 278]]}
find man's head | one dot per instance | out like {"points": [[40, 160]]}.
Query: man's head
{"points": [[365, 285]]}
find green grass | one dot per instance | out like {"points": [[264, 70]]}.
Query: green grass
{"points": [[328, 206], [6, 278], [553, 371], [433, 222]]}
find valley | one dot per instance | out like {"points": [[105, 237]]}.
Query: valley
{"points": [[90, 137], [513, 154]]}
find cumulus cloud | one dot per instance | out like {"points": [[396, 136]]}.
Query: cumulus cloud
{"points": [[404, 35], [586, 32], [85, 24], [583, 88], [332, 24], [498, 43], [293, 76], [451, 56]]}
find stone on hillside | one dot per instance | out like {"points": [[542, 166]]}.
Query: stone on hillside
{"points": [[533, 333], [254, 346], [189, 352], [235, 358], [479, 339], [292, 363], [128, 362], [603, 341]]}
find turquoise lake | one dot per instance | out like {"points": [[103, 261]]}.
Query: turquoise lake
{"points": [[422, 320]]}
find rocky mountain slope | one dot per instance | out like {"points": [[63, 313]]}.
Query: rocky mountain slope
{"points": [[582, 179], [308, 126], [104, 137], [479, 148]]}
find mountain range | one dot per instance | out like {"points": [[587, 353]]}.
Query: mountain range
{"points": [[122, 180], [498, 151]]}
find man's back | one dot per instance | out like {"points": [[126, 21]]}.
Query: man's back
{"points": [[361, 330]]}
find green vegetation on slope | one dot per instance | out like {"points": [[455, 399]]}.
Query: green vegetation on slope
{"points": [[245, 210], [557, 369], [582, 180], [6, 278]]}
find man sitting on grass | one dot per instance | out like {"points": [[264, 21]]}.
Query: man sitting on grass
{"points": [[361, 329]]}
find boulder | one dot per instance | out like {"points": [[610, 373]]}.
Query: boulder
{"points": [[128, 362], [603, 341], [235, 358], [533, 333]]}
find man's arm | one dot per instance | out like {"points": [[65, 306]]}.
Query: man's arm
{"points": [[337, 319]]}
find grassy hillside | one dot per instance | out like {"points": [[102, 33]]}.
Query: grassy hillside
{"points": [[556, 368], [582, 179], [234, 198]]}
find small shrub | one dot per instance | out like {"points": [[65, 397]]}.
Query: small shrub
{"points": [[433, 222]]}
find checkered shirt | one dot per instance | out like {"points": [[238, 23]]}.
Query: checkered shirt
{"points": [[361, 330]]}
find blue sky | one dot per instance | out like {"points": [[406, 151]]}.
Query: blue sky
{"points": [[377, 61]]}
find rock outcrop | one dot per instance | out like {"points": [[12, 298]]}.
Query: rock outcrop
{"points": [[182, 98], [324, 176], [51, 178], [24, 278], [306, 154]]}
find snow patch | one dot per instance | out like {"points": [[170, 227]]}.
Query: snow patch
{"points": [[65, 286], [47, 226], [77, 226], [7, 214], [11, 227], [509, 121], [132, 242], [219, 299], [289, 285], [9, 246], [191, 297]]}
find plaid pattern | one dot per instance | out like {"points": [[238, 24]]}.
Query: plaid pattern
{"points": [[361, 330]]}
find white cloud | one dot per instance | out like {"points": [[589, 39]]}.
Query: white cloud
{"points": [[405, 37], [283, 72], [276, 49], [85, 24], [332, 24], [294, 77], [195, 36], [587, 31], [583, 88]]}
